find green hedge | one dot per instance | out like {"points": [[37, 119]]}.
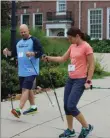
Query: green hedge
{"points": [[58, 76], [9, 79], [52, 47], [100, 46]]}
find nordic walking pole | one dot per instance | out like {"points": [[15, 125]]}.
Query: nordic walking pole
{"points": [[53, 89], [92, 87], [49, 99], [10, 90], [45, 90]]}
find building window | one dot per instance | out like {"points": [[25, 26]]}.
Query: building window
{"points": [[95, 18], [108, 23], [60, 34], [61, 6], [25, 19], [37, 22]]}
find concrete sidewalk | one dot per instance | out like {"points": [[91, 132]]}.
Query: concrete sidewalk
{"points": [[47, 123]]}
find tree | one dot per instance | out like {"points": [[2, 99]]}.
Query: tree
{"points": [[6, 12]]}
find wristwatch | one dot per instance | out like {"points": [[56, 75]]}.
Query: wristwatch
{"points": [[89, 81]]}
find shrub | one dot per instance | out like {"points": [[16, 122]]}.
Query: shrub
{"points": [[58, 76], [98, 68], [53, 47], [5, 38], [9, 79], [100, 46]]}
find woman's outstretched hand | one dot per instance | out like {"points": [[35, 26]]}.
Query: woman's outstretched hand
{"points": [[45, 58]]}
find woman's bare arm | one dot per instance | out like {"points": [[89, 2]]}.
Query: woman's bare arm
{"points": [[59, 58], [91, 66]]}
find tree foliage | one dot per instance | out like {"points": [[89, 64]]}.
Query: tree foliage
{"points": [[6, 12]]}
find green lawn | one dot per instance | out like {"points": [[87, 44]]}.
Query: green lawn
{"points": [[58, 46]]}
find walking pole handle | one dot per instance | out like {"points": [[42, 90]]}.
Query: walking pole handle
{"points": [[44, 55], [91, 87]]}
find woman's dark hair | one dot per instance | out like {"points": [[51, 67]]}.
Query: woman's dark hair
{"points": [[74, 31]]}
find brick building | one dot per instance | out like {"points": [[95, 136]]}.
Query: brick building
{"points": [[55, 17]]}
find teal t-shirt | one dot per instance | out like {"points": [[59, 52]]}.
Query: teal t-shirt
{"points": [[25, 67]]}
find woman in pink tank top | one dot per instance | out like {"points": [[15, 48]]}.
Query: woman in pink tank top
{"points": [[80, 72]]}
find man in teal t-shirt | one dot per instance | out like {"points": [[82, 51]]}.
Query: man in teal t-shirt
{"points": [[28, 48]]}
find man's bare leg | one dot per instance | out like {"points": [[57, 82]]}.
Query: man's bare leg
{"points": [[31, 97], [24, 97]]}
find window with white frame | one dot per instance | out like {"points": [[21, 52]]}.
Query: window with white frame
{"points": [[61, 6], [95, 21], [108, 23], [38, 17], [25, 19]]}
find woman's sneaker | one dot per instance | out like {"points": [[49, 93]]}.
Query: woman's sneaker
{"points": [[85, 131], [30, 111], [16, 112], [67, 133]]}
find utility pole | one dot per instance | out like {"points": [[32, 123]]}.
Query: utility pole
{"points": [[13, 25]]}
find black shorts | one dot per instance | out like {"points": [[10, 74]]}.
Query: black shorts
{"points": [[27, 82]]}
